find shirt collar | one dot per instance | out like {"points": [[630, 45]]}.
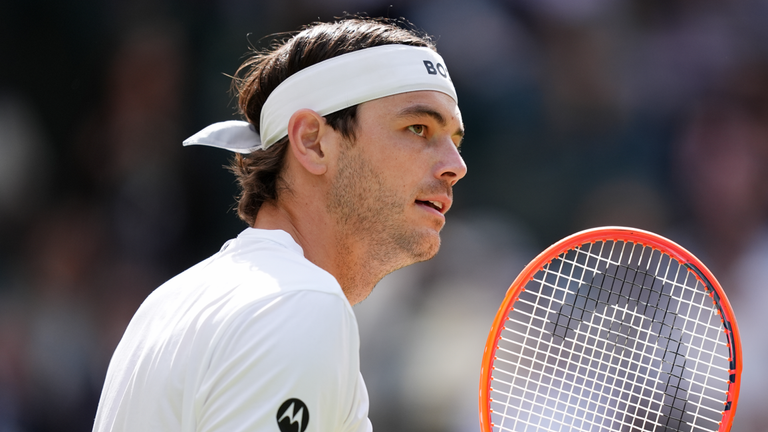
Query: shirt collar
{"points": [[276, 236]]}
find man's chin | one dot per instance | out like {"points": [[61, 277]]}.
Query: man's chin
{"points": [[427, 246]]}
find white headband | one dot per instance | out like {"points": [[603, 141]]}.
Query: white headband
{"points": [[330, 86]]}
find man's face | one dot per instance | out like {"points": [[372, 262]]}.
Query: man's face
{"points": [[394, 184]]}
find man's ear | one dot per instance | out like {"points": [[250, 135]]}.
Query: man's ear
{"points": [[306, 130]]}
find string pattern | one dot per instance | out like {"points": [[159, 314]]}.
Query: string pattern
{"points": [[611, 336]]}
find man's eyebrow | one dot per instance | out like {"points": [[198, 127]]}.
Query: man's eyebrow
{"points": [[422, 110]]}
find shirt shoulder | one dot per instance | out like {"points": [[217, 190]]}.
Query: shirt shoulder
{"points": [[254, 268], [255, 322], [303, 347], [262, 261]]}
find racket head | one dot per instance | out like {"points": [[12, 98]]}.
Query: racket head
{"points": [[645, 249]]}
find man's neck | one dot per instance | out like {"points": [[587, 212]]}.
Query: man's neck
{"points": [[339, 252]]}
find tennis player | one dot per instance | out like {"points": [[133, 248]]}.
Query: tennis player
{"points": [[347, 162]]}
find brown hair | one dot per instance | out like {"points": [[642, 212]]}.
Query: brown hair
{"points": [[259, 173]]}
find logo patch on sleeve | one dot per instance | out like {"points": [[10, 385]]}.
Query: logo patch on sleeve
{"points": [[293, 416]]}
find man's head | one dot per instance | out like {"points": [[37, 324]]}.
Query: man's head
{"points": [[259, 173], [352, 140]]}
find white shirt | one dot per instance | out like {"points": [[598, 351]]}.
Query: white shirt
{"points": [[254, 335]]}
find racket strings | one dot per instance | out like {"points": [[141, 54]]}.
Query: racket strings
{"points": [[600, 380], [610, 336]]}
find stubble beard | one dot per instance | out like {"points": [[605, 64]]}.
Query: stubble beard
{"points": [[367, 211]]}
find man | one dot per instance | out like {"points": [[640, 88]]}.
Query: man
{"points": [[352, 150]]}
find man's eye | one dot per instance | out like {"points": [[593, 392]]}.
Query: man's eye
{"points": [[419, 130]]}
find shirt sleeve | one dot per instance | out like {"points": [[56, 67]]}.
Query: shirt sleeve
{"points": [[295, 360]]}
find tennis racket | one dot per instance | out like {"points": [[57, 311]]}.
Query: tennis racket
{"points": [[612, 329]]}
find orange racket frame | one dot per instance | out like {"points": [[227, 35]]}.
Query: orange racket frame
{"points": [[644, 238]]}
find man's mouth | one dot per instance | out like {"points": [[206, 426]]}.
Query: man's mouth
{"points": [[434, 204]]}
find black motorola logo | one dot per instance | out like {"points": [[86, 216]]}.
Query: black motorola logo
{"points": [[293, 416]]}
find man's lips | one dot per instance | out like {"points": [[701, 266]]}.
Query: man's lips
{"points": [[439, 205]]}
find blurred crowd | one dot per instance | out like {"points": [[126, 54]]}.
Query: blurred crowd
{"points": [[579, 113]]}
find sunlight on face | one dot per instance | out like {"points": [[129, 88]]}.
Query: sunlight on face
{"points": [[394, 184]]}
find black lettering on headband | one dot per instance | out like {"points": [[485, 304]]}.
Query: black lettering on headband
{"points": [[434, 71], [430, 67], [441, 70]]}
